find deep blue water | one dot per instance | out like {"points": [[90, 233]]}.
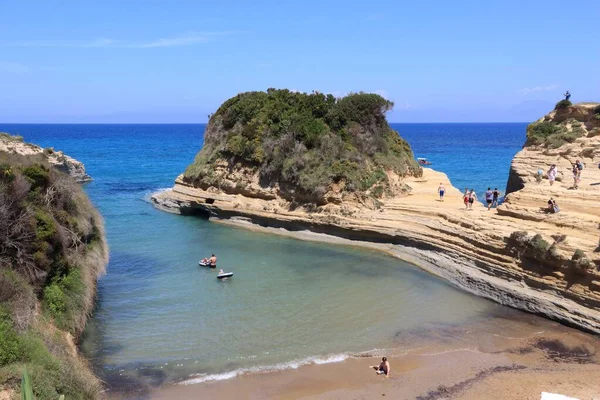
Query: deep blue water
{"points": [[158, 309]]}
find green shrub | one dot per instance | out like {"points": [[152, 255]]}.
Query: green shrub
{"points": [[63, 299], [563, 104], [37, 175], [10, 347], [597, 110]]}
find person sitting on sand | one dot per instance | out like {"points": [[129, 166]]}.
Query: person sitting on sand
{"points": [[383, 367], [213, 261], [441, 191]]}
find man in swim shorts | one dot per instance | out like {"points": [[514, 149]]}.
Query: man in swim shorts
{"points": [[489, 198], [441, 191], [213, 261], [496, 195], [383, 368]]}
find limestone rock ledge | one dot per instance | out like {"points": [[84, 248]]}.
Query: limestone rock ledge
{"points": [[59, 160], [467, 248]]}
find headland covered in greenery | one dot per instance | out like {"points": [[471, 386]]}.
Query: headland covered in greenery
{"points": [[305, 144], [52, 249]]}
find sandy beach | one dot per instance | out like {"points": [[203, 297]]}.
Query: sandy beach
{"points": [[504, 357]]}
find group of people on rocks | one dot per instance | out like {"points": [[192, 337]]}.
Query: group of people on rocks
{"points": [[470, 197], [552, 173]]}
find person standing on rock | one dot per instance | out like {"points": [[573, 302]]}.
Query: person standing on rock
{"points": [[489, 198], [472, 198], [466, 198], [576, 173], [567, 95], [579, 166], [552, 174], [539, 176], [441, 191], [495, 197]]}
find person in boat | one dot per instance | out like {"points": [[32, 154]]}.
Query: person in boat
{"points": [[383, 368], [221, 272], [212, 261]]}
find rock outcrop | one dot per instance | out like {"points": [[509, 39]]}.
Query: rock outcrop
{"points": [[59, 160], [518, 255]]}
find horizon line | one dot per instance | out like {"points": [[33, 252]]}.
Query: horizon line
{"points": [[205, 123]]}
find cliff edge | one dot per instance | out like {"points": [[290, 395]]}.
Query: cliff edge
{"points": [[59, 160], [52, 250], [518, 255]]}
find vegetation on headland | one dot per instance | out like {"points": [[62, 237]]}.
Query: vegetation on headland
{"points": [[52, 249], [305, 143]]}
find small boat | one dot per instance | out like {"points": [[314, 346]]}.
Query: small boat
{"points": [[206, 264], [423, 161], [225, 275]]}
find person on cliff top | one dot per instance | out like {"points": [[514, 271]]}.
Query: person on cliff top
{"points": [[466, 198], [472, 198], [552, 174], [567, 95], [489, 198], [441, 191], [495, 197], [383, 368]]}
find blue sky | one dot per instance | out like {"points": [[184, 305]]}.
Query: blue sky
{"points": [[153, 61]]}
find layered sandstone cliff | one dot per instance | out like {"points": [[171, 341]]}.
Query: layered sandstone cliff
{"points": [[518, 255]]}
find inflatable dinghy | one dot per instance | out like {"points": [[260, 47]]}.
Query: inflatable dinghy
{"points": [[206, 264], [225, 275]]}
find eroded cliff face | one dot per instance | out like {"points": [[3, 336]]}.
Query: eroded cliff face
{"points": [[58, 159], [518, 255]]}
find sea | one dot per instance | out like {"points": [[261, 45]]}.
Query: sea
{"points": [[162, 319]]}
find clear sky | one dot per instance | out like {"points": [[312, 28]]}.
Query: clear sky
{"points": [[158, 61]]}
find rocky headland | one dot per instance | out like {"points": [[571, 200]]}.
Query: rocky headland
{"points": [[52, 251], [15, 145], [257, 167]]}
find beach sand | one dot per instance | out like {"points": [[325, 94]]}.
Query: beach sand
{"points": [[527, 356]]}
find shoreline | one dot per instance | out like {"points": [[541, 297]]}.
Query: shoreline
{"points": [[465, 361]]}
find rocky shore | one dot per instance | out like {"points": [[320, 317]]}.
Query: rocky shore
{"points": [[518, 255]]}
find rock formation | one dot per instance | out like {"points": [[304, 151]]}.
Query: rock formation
{"points": [[518, 255], [59, 160]]}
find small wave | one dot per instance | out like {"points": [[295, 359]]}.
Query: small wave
{"points": [[196, 379], [149, 194]]}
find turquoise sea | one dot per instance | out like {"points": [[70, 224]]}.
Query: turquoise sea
{"points": [[161, 318]]}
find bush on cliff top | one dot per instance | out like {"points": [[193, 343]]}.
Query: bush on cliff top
{"points": [[51, 243], [563, 104], [304, 142], [552, 135]]}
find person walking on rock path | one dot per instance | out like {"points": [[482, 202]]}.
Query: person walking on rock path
{"points": [[466, 198], [489, 198], [552, 174], [495, 197], [441, 191], [472, 198]]}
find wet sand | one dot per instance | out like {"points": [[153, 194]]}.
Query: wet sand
{"points": [[507, 357]]}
